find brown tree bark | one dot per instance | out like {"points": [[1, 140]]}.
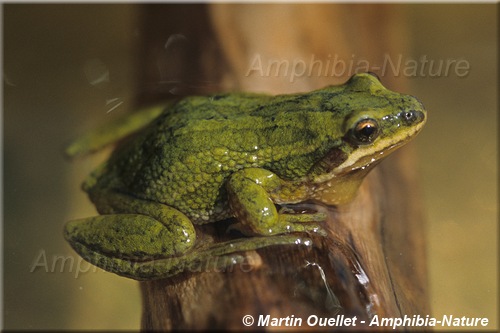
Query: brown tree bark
{"points": [[373, 260]]}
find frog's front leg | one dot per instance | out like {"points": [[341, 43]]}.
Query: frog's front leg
{"points": [[251, 192]]}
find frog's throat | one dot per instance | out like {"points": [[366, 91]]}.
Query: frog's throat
{"points": [[365, 157]]}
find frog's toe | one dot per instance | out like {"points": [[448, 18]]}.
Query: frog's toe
{"points": [[302, 218], [286, 226]]}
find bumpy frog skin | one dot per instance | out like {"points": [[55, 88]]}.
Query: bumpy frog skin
{"points": [[247, 156]]}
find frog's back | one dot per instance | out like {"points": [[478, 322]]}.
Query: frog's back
{"points": [[185, 156], [245, 123]]}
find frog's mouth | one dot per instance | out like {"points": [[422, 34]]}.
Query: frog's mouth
{"points": [[364, 158]]}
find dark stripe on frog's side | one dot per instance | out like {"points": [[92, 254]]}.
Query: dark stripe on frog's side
{"points": [[329, 162]]}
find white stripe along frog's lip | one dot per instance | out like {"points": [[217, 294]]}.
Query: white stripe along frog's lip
{"points": [[363, 157]]}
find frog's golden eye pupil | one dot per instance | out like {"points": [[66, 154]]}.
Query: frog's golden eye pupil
{"points": [[365, 131]]}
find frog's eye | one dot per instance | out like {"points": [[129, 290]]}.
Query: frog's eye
{"points": [[365, 131]]}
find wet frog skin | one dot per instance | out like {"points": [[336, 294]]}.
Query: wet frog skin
{"points": [[246, 156]]}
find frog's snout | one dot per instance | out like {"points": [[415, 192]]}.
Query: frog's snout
{"points": [[413, 113], [412, 117], [419, 103]]}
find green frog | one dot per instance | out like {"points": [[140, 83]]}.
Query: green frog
{"points": [[251, 157]]}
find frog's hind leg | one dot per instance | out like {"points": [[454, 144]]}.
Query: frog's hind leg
{"points": [[144, 240], [141, 248], [152, 269], [131, 231], [122, 243]]}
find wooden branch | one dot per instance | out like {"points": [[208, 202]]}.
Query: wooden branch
{"points": [[373, 260]]}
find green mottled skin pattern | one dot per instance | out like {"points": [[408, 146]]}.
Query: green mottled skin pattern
{"points": [[235, 155]]}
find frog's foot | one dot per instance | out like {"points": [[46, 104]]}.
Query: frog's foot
{"points": [[157, 268], [221, 256], [284, 223], [309, 222]]}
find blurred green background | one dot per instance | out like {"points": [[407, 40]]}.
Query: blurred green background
{"points": [[65, 68]]}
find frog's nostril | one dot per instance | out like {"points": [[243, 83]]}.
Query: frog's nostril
{"points": [[411, 117]]}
